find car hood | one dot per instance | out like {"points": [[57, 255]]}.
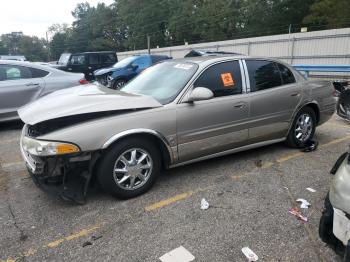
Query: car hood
{"points": [[84, 99], [103, 71]]}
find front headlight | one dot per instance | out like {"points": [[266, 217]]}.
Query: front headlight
{"points": [[47, 148]]}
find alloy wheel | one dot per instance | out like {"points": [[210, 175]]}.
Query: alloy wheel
{"points": [[132, 169], [303, 127]]}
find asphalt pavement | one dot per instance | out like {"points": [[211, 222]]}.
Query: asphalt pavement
{"points": [[249, 195]]}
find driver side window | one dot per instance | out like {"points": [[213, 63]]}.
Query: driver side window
{"points": [[222, 79]]}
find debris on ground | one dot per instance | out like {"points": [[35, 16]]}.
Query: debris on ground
{"points": [[94, 238], [259, 163], [87, 243], [204, 204], [249, 254], [310, 146], [311, 189], [179, 254], [296, 212], [304, 203]]}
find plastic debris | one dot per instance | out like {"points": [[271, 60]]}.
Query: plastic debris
{"points": [[310, 146], [304, 203], [179, 254], [298, 214], [204, 204], [249, 254], [311, 189]]}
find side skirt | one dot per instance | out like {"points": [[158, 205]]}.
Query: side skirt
{"points": [[231, 151]]}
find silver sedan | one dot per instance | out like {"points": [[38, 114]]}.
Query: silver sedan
{"points": [[24, 82]]}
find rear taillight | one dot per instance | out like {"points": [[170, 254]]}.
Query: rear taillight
{"points": [[83, 81]]}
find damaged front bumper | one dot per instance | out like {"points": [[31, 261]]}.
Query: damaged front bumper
{"points": [[67, 176]]}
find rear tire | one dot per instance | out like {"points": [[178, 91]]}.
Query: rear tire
{"points": [[129, 168], [303, 128]]}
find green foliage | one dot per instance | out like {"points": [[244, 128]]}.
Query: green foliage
{"points": [[33, 48], [125, 24], [333, 13]]}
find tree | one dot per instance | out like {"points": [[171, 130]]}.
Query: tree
{"points": [[332, 13]]}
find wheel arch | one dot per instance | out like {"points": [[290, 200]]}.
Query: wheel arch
{"points": [[313, 105], [162, 142]]}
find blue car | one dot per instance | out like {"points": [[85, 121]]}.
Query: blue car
{"points": [[120, 73]]}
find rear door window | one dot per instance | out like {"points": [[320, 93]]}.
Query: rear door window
{"points": [[263, 75], [108, 58], [93, 59], [36, 73], [222, 79], [286, 74]]}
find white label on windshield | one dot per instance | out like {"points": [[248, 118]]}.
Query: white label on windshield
{"points": [[183, 66]]}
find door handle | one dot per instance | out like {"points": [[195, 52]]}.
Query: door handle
{"points": [[89, 67], [69, 69], [32, 84], [239, 105], [295, 94]]}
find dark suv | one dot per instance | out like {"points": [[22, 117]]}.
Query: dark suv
{"points": [[86, 62], [119, 74]]}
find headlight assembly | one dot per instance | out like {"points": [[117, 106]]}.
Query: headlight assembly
{"points": [[47, 148]]}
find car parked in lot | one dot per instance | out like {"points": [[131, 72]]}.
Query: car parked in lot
{"points": [[86, 63], [24, 82], [335, 220], [119, 74], [175, 113]]}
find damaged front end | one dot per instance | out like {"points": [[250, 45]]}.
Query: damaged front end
{"points": [[60, 168]]}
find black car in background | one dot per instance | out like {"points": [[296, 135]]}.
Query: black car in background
{"points": [[86, 62]]}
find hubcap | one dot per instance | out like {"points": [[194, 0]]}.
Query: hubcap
{"points": [[303, 128], [132, 169]]}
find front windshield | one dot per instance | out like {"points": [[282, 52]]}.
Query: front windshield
{"points": [[125, 62], [64, 59], [163, 81]]}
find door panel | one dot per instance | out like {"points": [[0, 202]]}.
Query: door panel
{"points": [[215, 125], [208, 127], [272, 102], [16, 93]]}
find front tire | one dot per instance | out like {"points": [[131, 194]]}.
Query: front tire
{"points": [[303, 128], [129, 168]]}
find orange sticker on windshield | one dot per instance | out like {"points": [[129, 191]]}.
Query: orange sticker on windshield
{"points": [[227, 79]]}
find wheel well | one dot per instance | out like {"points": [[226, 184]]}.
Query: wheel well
{"points": [[165, 154], [314, 107]]}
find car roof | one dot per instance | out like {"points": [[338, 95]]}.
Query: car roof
{"points": [[32, 65], [207, 60]]}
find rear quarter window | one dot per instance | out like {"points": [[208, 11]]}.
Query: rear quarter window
{"points": [[286, 74]]}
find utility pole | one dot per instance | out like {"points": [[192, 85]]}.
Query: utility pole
{"points": [[48, 47], [149, 44]]}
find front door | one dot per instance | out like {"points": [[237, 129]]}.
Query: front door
{"points": [[215, 125], [17, 88], [274, 95]]}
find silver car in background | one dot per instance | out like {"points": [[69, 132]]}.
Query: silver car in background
{"points": [[24, 82], [174, 113]]}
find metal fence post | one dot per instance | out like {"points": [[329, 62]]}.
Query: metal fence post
{"points": [[248, 52], [292, 51]]}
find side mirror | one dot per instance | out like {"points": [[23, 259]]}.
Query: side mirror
{"points": [[199, 94], [134, 66]]}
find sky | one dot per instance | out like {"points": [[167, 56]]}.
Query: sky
{"points": [[33, 17]]}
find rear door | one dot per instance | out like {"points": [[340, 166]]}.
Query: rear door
{"points": [[19, 85], [93, 64], [107, 59], [215, 125], [274, 96]]}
